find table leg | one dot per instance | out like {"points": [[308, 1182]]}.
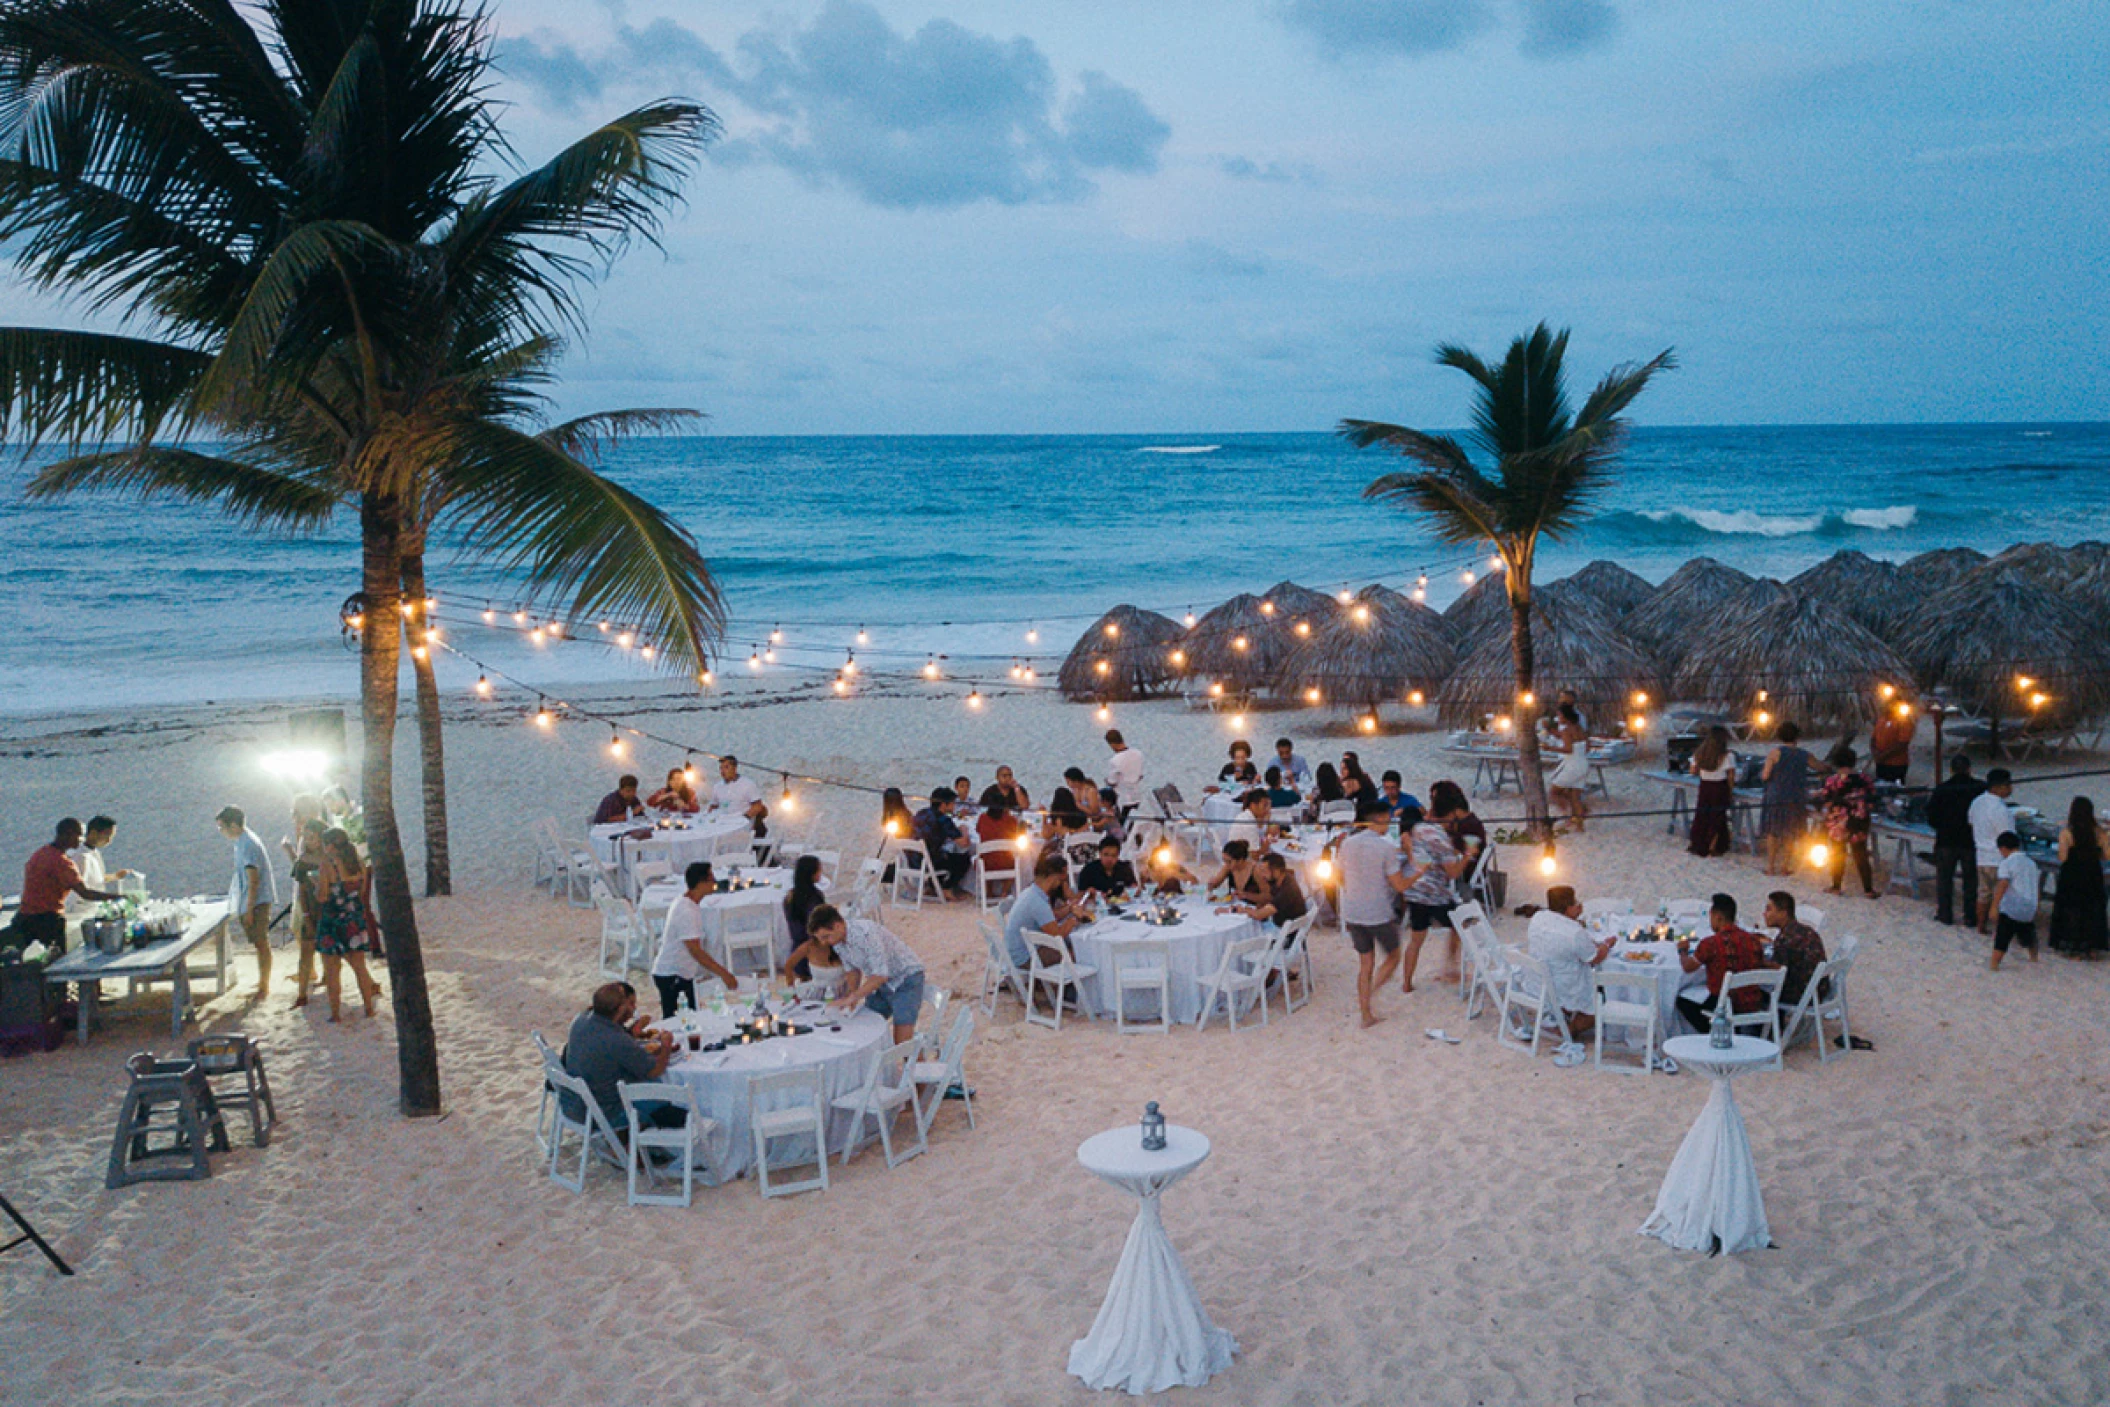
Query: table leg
{"points": [[221, 958], [1677, 811], [179, 997], [84, 1011], [1710, 1199], [1151, 1333]]}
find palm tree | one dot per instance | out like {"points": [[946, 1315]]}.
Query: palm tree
{"points": [[329, 304], [1547, 469]]}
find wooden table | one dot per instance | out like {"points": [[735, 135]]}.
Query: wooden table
{"points": [[167, 960]]}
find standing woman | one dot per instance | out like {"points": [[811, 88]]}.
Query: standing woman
{"points": [[1849, 811], [343, 929], [1786, 803], [2079, 925], [804, 898], [1715, 765], [1571, 775], [304, 849]]}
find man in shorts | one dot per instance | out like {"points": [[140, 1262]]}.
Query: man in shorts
{"points": [[1371, 880], [1432, 887]]}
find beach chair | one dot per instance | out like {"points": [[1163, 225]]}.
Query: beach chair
{"points": [[1000, 972], [690, 1141], [934, 1078], [1242, 971], [887, 1090], [1144, 965], [589, 1126], [1055, 976], [1628, 1000], [788, 1105], [1529, 990], [1766, 1020]]}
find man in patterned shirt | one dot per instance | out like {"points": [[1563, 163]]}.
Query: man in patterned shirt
{"points": [[1796, 946], [1432, 888], [1724, 952], [879, 970]]}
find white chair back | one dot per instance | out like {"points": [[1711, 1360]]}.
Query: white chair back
{"points": [[1142, 965], [947, 1072], [748, 922], [787, 1104], [689, 1140], [1606, 908]]}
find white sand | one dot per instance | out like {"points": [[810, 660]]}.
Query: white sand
{"points": [[1384, 1219]]}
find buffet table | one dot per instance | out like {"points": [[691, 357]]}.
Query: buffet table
{"points": [[167, 960]]}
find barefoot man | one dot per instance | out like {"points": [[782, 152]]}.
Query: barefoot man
{"points": [[1371, 881]]}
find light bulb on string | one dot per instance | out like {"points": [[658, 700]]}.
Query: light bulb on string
{"points": [[1323, 871], [842, 685], [707, 678], [1494, 562], [1239, 643], [1113, 630], [1178, 659], [604, 627], [1102, 667], [615, 743], [1344, 595], [1638, 723], [1216, 689], [1362, 614], [1237, 723], [1368, 723], [623, 641], [789, 802], [1422, 580], [849, 663], [542, 716], [408, 610], [862, 637], [930, 669], [1267, 608], [419, 653], [974, 698], [1028, 675], [1820, 855], [1188, 619], [1018, 671], [769, 656], [489, 615], [1303, 628], [1415, 697], [776, 635], [432, 603], [535, 635], [1640, 698], [483, 686], [688, 768], [1466, 576], [432, 635], [520, 618], [1549, 862], [1032, 637], [1312, 695], [556, 629], [1105, 714], [754, 659], [1420, 594]]}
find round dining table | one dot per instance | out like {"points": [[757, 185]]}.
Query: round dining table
{"points": [[768, 886], [624, 845], [1194, 948]]}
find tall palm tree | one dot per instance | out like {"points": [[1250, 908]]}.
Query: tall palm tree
{"points": [[329, 302], [1546, 470]]}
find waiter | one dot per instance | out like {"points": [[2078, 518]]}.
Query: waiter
{"points": [[48, 880], [88, 859]]}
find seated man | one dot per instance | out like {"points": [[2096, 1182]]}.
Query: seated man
{"points": [[1282, 902], [1280, 795], [1796, 946], [1040, 909], [1296, 772], [683, 961], [608, 1046], [1108, 874], [622, 804], [1389, 789], [1558, 939], [741, 796], [880, 972], [1007, 790], [1252, 827], [943, 841], [1724, 952]]}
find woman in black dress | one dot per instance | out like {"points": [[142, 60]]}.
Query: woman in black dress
{"points": [[2080, 925]]}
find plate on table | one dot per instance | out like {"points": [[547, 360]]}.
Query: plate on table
{"points": [[1637, 955]]}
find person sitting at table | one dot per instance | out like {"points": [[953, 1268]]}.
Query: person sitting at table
{"points": [[1558, 939], [1252, 825], [880, 972], [1796, 946], [683, 960], [895, 819], [1075, 841], [1240, 872], [1084, 795], [1391, 790], [1043, 908], [1280, 794], [1356, 784], [1239, 771], [998, 831], [1326, 786], [1282, 902], [1111, 816], [1061, 804], [607, 1047], [677, 795], [804, 897], [1723, 953], [1108, 873], [964, 805], [2016, 883], [622, 804], [1449, 808], [47, 880], [1296, 772], [1007, 790], [740, 796], [949, 852]]}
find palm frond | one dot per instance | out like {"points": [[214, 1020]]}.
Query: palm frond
{"points": [[257, 495], [590, 437], [1439, 452], [1457, 515], [88, 387]]}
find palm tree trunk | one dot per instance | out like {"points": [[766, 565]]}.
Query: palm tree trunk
{"points": [[432, 760], [1530, 778], [380, 649]]}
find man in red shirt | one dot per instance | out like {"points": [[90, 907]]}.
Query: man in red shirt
{"points": [[47, 879], [1725, 951]]}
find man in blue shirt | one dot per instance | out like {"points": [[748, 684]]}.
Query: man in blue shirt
{"points": [[1037, 911], [1395, 800], [1296, 772], [942, 842], [253, 892]]}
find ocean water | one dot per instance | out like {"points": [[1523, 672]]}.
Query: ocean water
{"points": [[963, 545]]}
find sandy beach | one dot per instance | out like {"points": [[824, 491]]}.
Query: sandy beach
{"points": [[1384, 1218]]}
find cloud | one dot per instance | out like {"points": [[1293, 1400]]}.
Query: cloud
{"points": [[1244, 168], [940, 117], [1351, 28], [1206, 257]]}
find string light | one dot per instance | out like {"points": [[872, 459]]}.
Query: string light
{"points": [[1640, 698], [707, 678], [1886, 692], [1303, 628], [787, 800], [1549, 863], [418, 653], [688, 768], [1763, 696], [535, 635], [542, 718], [1178, 658], [520, 618], [1415, 697], [1763, 719], [645, 652], [432, 603], [1368, 723], [776, 635], [1362, 614], [842, 685], [604, 627], [1162, 855], [1466, 576], [623, 641], [1113, 630], [408, 610], [1527, 698], [893, 826], [1312, 695], [862, 637], [615, 743], [1216, 689], [1422, 580], [930, 669], [1638, 723], [1494, 562], [1238, 643], [1502, 724], [1237, 723], [1032, 637], [1344, 595], [849, 664], [556, 629], [1104, 714], [974, 699], [1420, 593], [489, 615], [1267, 608], [1188, 619], [483, 686], [1102, 667], [1323, 871], [1028, 674], [754, 660], [769, 656], [2023, 682]]}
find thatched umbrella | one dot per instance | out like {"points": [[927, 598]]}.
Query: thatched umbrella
{"points": [[1762, 595], [1479, 609], [1815, 664], [1124, 655], [1242, 643], [1381, 647], [1575, 646], [2042, 564], [1300, 602], [1981, 638], [1620, 590], [1688, 602], [1920, 577], [1856, 585]]}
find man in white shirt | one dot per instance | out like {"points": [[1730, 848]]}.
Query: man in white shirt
{"points": [[1125, 773], [87, 857], [1372, 879], [738, 795], [1991, 817], [2015, 888], [1252, 827], [683, 960], [253, 892], [1558, 939]]}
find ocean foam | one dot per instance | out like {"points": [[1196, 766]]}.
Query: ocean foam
{"points": [[1179, 449], [1902, 515], [1744, 523]]}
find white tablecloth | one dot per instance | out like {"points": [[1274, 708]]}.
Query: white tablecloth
{"points": [[720, 1079], [1668, 973], [677, 849], [1710, 1199], [1197, 945], [1151, 1333]]}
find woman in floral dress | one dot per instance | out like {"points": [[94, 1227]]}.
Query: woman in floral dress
{"points": [[344, 932], [1848, 798]]}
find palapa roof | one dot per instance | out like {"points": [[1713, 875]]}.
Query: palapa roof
{"points": [[1688, 602], [1243, 642], [1855, 584], [1134, 652], [1480, 608], [1298, 601], [1815, 663], [1922, 576], [1994, 627], [1575, 645], [1620, 590], [1377, 649], [2042, 564]]}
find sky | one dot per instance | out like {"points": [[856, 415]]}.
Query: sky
{"points": [[983, 216]]}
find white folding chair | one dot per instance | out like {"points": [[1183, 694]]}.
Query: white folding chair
{"points": [[545, 1126], [1057, 975], [1293, 961], [1144, 965], [1606, 908], [912, 867], [1336, 813], [1832, 1005], [1686, 910], [1242, 971], [1467, 911], [1480, 883], [549, 854], [1529, 989], [733, 848], [1812, 917], [589, 1126], [1487, 967], [992, 887], [623, 942], [749, 927], [930, 1017], [1000, 972], [831, 864], [934, 1078], [887, 1090], [573, 867], [788, 1105], [1766, 1020], [1801, 1018], [1633, 1009], [691, 1141]]}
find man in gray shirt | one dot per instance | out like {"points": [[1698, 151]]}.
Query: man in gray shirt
{"points": [[1370, 867], [604, 1050], [1034, 910]]}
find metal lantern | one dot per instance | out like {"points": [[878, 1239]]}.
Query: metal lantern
{"points": [[1153, 1128]]}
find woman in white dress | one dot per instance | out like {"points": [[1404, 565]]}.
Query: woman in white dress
{"points": [[1572, 773]]}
